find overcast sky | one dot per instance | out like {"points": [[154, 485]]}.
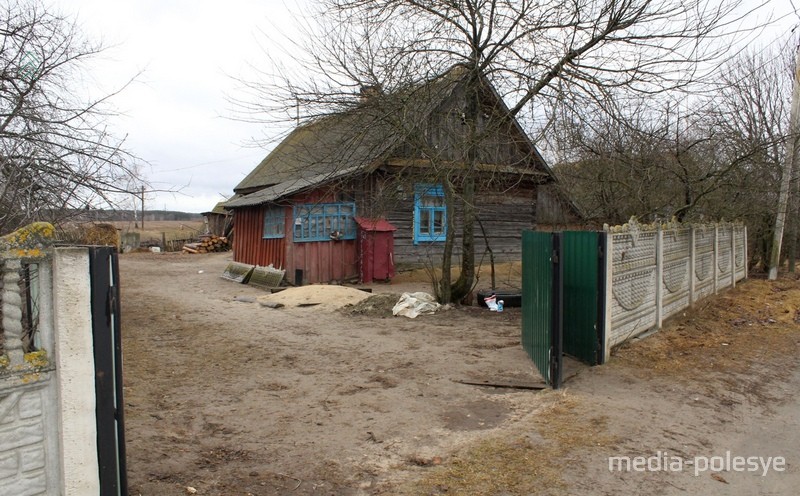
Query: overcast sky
{"points": [[174, 114]]}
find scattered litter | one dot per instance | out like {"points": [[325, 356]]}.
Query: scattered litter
{"points": [[424, 462], [244, 299], [505, 385], [271, 304], [413, 304], [719, 478], [200, 271], [191, 490], [491, 303], [155, 249]]}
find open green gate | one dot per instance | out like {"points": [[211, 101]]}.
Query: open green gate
{"points": [[563, 299], [541, 303]]}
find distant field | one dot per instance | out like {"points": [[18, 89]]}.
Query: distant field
{"points": [[172, 229]]}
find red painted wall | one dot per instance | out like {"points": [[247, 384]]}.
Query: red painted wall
{"points": [[248, 244], [320, 261]]}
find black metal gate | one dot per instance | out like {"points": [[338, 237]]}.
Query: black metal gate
{"points": [[104, 271], [563, 299]]}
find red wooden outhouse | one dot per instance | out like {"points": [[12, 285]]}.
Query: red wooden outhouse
{"points": [[375, 249]]}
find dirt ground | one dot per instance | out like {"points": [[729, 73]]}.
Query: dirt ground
{"points": [[228, 397]]}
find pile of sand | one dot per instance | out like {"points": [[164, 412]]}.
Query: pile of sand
{"points": [[317, 296]]}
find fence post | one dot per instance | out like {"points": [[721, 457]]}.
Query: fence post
{"points": [[715, 259], [12, 311], [659, 276], [692, 265], [46, 332], [609, 296], [745, 252], [733, 256]]}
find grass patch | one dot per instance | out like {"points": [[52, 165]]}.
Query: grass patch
{"points": [[754, 323], [529, 459]]}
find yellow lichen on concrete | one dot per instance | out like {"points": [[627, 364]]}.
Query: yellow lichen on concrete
{"points": [[35, 362], [37, 359], [28, 242]]}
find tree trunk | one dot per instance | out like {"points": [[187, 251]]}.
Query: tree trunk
{"points": [[466, 278], [445, 287]]}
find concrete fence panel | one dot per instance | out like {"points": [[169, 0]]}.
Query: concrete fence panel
{"points": [[47, 387], [658, 271]]}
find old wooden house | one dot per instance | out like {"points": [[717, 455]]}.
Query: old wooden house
{"points": [[398, 157], [218, 220]]}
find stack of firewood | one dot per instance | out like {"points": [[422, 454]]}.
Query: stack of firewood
{"points": [[208, 245]]}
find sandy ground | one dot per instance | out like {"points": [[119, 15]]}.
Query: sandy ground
{"points": [[232, 398]]}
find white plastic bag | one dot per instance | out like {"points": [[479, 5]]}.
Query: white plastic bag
{"points": [[412, 304]]}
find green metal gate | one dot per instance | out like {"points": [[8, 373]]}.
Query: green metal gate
{"points": [[541, 303], [582, 256], [563, 299]]}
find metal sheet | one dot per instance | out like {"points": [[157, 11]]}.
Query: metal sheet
{"points": [[580, 259], [249, 245], [541, 306]]}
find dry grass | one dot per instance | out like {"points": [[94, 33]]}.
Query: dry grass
{"points": [[527, 459], [173, 229], [737, 331], [744, 337]]}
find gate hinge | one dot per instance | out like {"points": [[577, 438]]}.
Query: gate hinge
{"points": [[554, 257]]}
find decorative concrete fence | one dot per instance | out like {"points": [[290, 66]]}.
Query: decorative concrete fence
{"points": [[657, 271], [47, 374]]}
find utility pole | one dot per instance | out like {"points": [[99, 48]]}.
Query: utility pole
{"points": [[143, 207], [786, 174]]}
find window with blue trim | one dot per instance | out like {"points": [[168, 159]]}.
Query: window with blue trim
{"points": [[430, 213], [274, 222], [324, 221]]}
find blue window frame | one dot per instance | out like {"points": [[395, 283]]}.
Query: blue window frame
{"points": [[274, 222], [324, 221], [430, 213]]}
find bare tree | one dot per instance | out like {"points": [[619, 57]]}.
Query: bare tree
{"points": [[57, 156], [715, 156], [532, 52]]}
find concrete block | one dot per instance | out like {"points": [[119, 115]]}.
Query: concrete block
{"points": [[17, 435], [30, 405], [32, 458], [33, 484], [9, 466]]}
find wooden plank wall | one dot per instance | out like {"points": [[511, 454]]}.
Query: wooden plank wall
{"points": [[504, 217], [320, 261]]}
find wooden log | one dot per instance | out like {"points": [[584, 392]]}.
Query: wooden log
{"points": [[189, 250]]}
